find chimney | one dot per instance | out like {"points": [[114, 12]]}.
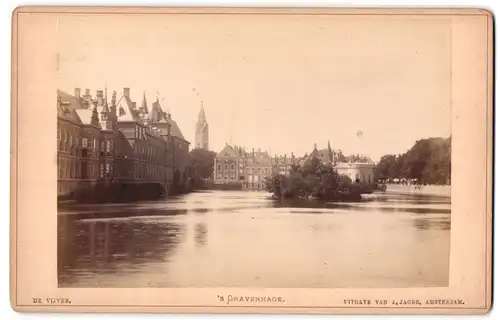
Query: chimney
{"points": [[87, 92], [126, 92], [100, 97], [113, 98], [78, 93]]}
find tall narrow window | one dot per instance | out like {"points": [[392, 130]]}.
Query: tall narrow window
{"points": [[85, 142], [108, 147], [101, 174]]}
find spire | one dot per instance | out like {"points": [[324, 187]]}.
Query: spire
{"points": [[144, 105], [330, 153], [105, 108], [106, 95], [94, 120], [315, 146], [201, 116]]}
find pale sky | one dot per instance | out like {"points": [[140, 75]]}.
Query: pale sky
{"points": [[279, 83]]}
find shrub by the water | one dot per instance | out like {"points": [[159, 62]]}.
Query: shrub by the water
{"points": [[315, 180]]}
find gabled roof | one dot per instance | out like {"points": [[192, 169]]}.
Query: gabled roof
{"points": [[324, 154], [156, 115], [85, 115], [67, 104], [126, 111], [227, 152], [174, 129]]}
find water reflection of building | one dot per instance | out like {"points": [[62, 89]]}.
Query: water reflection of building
{"points": [[87, 247], [201, 233]]}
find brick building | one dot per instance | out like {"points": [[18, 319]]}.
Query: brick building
{"points": [[108, 146], [227, 166], [234, 165], [259, 166]]}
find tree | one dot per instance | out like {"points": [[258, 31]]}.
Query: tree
{"points": [[313, 179], [428, 161], [202, 162], [387, 167]]}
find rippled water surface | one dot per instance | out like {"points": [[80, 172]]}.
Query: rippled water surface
{"points": [[245, 239]]}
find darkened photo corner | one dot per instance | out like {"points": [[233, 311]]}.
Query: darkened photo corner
{"points": [[201, 152]]}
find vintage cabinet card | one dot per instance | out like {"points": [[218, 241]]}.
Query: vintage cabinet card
{"points": [[237, 160]]}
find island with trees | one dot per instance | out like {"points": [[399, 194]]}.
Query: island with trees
{"points": [[316, 180]]}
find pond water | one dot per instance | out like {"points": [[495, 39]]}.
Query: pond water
{"points": [[246, 239]]}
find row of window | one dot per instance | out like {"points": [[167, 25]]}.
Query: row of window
{"points": [[151, 154], [362, 178], [226, 167], [255, 186], [248, 170], [106, 170], [143, 171], [226, 176], [68, 142], [140, 132], [76, 169]]}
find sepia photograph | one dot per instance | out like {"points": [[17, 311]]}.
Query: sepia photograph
{"points": [[232, 151], [236, 160]]}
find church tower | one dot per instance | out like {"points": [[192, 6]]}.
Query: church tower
{"points": [[201, 134]]}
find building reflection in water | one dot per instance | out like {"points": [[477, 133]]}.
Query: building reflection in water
{"points": [[385, 241], [432, 223], [201, 232], [113, 246]]}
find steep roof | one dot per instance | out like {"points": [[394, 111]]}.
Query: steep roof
{"points": [[201, 116], [227, 152], [85, 115], [126, 111], [174, 129], [156, 115], [324, 154], [67, 104]]}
